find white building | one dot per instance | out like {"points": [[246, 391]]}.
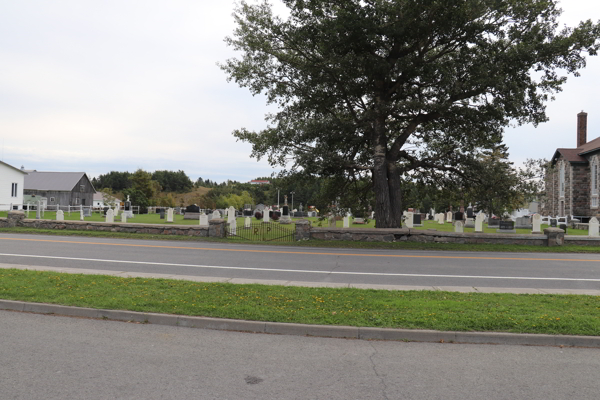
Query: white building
{"points": [[101, 199], [11, 187]]}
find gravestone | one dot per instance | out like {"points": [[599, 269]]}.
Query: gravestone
{"points": [[170, 215], [493, 222], [266, 216], [458, 216], [38, 211], [87, 212], [408, 219], [233, 226], [285, 215], [470, 213], [358, 221], [230, 214], [470, 223], [593, 227], [506, 227], [553, 222], [440, 218], [81, 214], [523, 223], [162, 213], [177, 210], [110, 216], [346, 222], [449, 217], [563, 227], [458, 227], [479, 222], [203, 219], [247, 222], [124, 217], [60, 215], [537, 223], [193, 209], [332, 221], [417, 220], [216, 214]]}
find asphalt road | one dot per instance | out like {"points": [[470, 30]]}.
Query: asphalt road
{"points": [[348, 266], [50, 357]]}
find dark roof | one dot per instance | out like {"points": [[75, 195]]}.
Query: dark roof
{"points": [[574, 156], [58, 181], [10, 166], [590, 146]]}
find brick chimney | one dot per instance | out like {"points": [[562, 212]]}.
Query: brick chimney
{"points": [[581, 129]]}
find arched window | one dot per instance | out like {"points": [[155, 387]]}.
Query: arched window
{"points": [[594, 182]]}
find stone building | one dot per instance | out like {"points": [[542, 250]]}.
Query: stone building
{"points": [[572, 182]]}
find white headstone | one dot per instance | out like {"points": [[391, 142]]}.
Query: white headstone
{"points": [[593, 227], [230, 214], [124, 217], [169, 215], [81, 214], [458, 226], [479, 222], [440, 218], [408, 219], [449, 216], [346, 222], [110, 215], [60, 215], [216, 214], [233, 226], [203, 219], [537, 223], [247, 222], [266, 215]]}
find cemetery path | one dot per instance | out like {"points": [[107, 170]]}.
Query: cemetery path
{"points": [[462, 271], [55, 357]]}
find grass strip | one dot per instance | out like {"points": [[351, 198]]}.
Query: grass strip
{"points": [[319, 243], [519, 313]]}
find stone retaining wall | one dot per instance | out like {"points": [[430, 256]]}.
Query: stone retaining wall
{"points": [[215, 228]]}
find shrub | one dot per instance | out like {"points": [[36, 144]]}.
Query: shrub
{"points": [[258, 215], [275, 217]]}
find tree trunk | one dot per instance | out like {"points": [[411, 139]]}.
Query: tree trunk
{"points": [[386, 183]]}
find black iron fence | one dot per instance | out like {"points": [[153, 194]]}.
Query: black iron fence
{"points": [[262, 232]]}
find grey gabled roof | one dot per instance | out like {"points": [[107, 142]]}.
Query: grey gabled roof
{"points": [[59, 181], [16, 169]]}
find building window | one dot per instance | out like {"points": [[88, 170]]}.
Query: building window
{"points": [[562, 180], [51, 199], [76, 200], [13, 192], [595, 202], [594, 178], [82, 188]]}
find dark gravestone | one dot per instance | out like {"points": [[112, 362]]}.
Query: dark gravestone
{"points": [[470, 213], [458, 216], [105, 210], [193, 208], [563, 227], [416, 219], [553, 223], [506, 225], [127, 205], [493, 222], [286, 210], [247, 213], [162, 213]]}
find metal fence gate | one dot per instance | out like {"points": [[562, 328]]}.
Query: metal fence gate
{"points": [[262, 232]]}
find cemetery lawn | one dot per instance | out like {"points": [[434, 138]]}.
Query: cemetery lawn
{"points": [[447, 311]]}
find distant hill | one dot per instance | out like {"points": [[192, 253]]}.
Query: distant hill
{"points": [[190, 197]]}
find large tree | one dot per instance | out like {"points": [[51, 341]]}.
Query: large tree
{"points": [[383, 89]]}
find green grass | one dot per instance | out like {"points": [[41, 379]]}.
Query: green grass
{"points": [[548, 314]]}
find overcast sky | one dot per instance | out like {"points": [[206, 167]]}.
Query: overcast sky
{"points": [[99, 86]]}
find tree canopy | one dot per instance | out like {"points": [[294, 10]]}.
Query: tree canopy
{"points": [[394, 90]]}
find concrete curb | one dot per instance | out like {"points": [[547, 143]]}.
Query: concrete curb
{"points": [[331, 331]]}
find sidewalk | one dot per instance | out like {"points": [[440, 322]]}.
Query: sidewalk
{"points": [[344, 332]]}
